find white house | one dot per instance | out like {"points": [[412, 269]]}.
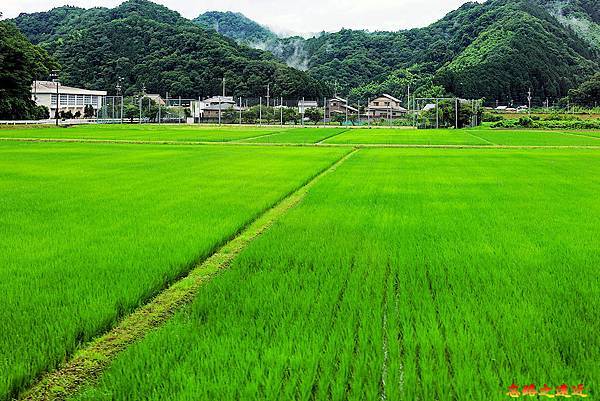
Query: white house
{"points": [[386, 106], [44, 93], [307, 104], [211, 107]]}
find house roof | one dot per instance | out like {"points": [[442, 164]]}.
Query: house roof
{"points": [[50, 87], [392, 98], [222, 106], [220, 99], [156, 97], [341, 99]]}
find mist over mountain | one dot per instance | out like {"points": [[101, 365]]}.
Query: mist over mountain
{"points": [[497, 50], [150, 46]]}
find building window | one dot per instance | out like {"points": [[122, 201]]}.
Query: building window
{"points": [[72, 100], [88, 100], [63, 100], [53, 100], [79, 100], [376, 103], [95, 100]]}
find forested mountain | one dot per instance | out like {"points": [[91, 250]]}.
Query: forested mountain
{"points": [[149, 45], [497, 50], [20, 63]]}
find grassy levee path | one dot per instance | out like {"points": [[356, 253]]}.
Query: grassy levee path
{"points": [[88, 363]]}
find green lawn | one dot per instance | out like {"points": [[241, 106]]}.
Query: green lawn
{"points": [[406, 274], [90, 231], [151, 132], [299, 135], [407, 136]]}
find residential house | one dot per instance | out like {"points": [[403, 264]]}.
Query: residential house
{"points": [[210, 108], [338, 105], [306, 104], [386, 106]]}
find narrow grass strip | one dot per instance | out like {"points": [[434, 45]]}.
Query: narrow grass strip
{"points": [[480, 138], [88, 363], [325, 145], [332, 135]]}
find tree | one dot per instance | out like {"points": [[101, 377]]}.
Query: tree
{"points": [[88, 111], [588, 93], [20, 63], [314, 114]]}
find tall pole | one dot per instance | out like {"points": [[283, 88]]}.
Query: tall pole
{"points": [[220, 106], [281, 111], [223, 86], [180, 109], [369, 112], [358, 113], [346, 112], [240, 111], [54, 76], [529, 100], [437, 114], [260, 112], [303, 107], [268, 95], [456, 111], [324, 111]]}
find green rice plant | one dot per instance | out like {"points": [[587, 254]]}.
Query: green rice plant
{"points": [[406, 274], [144, 132], [523, 137], [89, 232], [299, 135], [408, 136]]}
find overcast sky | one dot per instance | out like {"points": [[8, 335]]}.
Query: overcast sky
{"points": [[292, 15]]}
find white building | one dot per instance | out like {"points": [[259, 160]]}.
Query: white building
{"points": [[211, 107], [43, 93], [307, 104]]}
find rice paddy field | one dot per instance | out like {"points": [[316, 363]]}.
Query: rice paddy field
{"points": [[415, 274]]}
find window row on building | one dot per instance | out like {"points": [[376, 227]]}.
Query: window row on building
{"points": [[75, 100]]}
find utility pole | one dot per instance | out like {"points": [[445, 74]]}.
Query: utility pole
{"points": [[529, 100], [324, 111], [140, 103], [240, 110], [54, 77], [220, 105], [223, 86], [358, 113], [281, 111], [346, 112], [303, 107], [180, 109], [437, 114], [456, 112], [369, 112], [268, 95], [260, 112], [119, 93]]}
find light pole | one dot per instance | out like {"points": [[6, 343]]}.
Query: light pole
{"points": [[140, 103], [54, 78], [119, 93]]}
